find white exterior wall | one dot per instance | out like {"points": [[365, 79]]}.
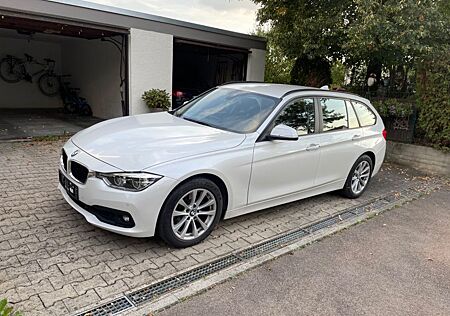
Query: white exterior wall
{"points": [[150, 65], [256, 65], [24, 94], [94, 67]]}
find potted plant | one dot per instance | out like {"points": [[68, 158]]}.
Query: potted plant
{"points": [[157, 100]]}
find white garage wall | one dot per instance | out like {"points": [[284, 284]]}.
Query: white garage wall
{"points": [[94, 68], [150, 65], [24, 94], [256, 64]]}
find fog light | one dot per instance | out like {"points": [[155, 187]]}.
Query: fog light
{"points": [[126, 218]]}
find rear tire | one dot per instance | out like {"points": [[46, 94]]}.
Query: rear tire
{"points": [[190, 213], [359, 177], [85, 110], [10, 70]]}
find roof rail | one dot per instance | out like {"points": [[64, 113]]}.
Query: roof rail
{"points": [[300, 90], [236, 81], [321, 90]]}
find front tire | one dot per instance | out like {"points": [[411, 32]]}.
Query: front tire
{"points": [[190, 213], [358, 178], [49, 85]]}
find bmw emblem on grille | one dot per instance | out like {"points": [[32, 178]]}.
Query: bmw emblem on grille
{"points": [[74, 153]]}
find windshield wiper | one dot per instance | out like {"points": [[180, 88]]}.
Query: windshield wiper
{"points": [[196, 121]]}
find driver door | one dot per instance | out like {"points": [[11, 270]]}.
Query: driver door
{"points": [[282, 167]]}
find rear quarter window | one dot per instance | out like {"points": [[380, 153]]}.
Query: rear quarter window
{"points": [[365, 114]]}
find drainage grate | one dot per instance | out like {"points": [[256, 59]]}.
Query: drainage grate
{"points": [[108, 309], [271, 244], [150, 292], [345, 215], [322, 224]]}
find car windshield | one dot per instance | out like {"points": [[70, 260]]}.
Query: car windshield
{"points": [[229, 109]]}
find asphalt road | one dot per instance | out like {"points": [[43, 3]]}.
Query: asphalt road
{"points": [[397, 263]]}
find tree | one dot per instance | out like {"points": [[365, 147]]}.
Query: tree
{"points": [[307, 31], [393, 34], [313, 72], [366, 34]]}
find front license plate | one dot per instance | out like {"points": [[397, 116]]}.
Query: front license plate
{"points": [[69, 186]]}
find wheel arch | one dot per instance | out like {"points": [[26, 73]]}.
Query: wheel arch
{"points": [[210, 176], [371, 155]]}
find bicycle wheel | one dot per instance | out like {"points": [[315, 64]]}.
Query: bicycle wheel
{"points": [[70, 107], [49, 84], [85, 110], [10, 70]]}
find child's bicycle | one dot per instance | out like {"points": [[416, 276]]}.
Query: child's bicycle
{"points": [[73, 103]]}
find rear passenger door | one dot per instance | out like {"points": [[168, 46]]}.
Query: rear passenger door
{"points": [[340, 139]]}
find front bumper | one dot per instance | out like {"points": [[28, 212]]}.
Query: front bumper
{"points": [[143, 206]]}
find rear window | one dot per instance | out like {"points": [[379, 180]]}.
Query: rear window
{"points": [[365, 115]]}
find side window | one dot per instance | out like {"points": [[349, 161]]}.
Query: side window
{"points": [[299, 115], [365, 115], [352, 119], [334, 114]]}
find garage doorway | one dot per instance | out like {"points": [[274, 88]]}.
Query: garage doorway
{"points": [[87, 67], [198, 67]]}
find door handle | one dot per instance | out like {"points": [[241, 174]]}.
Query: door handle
{"points": [[313, 147], [356, 137]]}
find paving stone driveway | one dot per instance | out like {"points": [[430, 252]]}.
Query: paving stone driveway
{"points": [[53, 262]]}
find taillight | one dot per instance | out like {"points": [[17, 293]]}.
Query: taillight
{"points": [[384, 132]]}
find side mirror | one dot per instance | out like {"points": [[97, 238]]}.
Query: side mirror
{"points": [[283, 132]]}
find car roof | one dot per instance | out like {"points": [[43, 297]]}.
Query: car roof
{"points": [[271, 89], [281, 90]]}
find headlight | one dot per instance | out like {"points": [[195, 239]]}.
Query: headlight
{"points": [[128, 181]]}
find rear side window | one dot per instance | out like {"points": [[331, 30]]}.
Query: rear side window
{"points": [[352, 119], [334, 114], [299, 115], [365, 115]]}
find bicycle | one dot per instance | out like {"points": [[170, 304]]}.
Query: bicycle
{"points": [[13, 69], [73, 103]]}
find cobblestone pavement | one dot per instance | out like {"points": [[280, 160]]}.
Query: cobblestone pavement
{"points": [[53, 262]]}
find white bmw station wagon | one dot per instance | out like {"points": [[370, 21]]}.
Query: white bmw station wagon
{"points": [[236, 149]]}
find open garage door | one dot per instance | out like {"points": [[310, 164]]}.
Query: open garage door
{"points": [[57, 76], [198, 67]]}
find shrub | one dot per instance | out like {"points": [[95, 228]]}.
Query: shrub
{"points": [[156, 98], [394, 107], [433, 96], [6, 310]]}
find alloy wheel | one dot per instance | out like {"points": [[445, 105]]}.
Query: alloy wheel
{"points": [[360, 177], [194, 214]]}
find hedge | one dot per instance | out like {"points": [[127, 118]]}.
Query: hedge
{"points": [[433, 97]]}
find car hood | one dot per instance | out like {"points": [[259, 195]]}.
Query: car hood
{"points": [[137, 142]]}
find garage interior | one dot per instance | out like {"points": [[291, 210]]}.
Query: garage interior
{"points": [[93, 62], [198, 67]]}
